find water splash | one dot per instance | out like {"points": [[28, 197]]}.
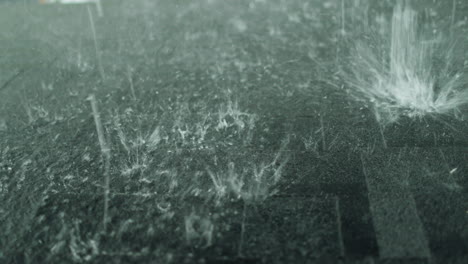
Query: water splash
{"points": [[399, 76]]}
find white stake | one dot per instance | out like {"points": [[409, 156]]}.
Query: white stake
{"points": [[130, 80], [343, 31], [339, 227], [98, 55], [105, 151], [452, 22], [322, 130], [99, 8]]}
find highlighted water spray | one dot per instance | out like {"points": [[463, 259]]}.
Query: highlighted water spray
{"points": [[399, 77]]}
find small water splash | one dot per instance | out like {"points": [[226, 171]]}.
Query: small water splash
{"points": [[398, 76]]}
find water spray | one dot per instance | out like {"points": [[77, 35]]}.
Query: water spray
{"points": [[399, 77]]}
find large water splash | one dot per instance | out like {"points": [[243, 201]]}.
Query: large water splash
{"points": [[398, 76]]}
